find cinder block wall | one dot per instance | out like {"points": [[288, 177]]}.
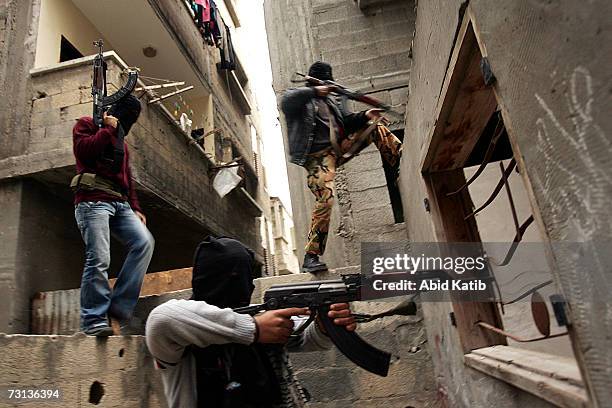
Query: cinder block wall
{"points": [[114, 372]]}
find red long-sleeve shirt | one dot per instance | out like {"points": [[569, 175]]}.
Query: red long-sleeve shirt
{"points": [[89, 144]]}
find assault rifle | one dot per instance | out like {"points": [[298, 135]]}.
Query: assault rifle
{"points": [[98, 88], [349, 93], [318, 296]]}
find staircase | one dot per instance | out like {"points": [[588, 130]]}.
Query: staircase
{"points": [[118, 371]]}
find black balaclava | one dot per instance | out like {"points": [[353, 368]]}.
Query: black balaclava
{"points": [[127, 111], [222, 277], [321, 70], [222, 273]]}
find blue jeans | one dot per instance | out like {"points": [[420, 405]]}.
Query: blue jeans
{"points": [[96, 221]]}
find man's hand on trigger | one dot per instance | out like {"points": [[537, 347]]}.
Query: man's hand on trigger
{"points": [[324, 90], [275, 326], [109, 120], [341, 315]]}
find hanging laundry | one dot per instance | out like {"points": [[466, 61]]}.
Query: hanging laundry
{"points": [[205, 4], [228, 56], [197, 13], [215, 26]]}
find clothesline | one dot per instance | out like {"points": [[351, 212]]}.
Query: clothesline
{"points": [[214, 30]]}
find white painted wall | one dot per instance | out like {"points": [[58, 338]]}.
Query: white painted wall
{"points": [[61, 17]]}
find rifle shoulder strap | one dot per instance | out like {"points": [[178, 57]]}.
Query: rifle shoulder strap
{"points": [[118, 150]]}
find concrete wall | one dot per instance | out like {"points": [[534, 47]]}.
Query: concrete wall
{"points": [[18, 28], [369, 51], [72, 364], [551, 84], [11, 287]]}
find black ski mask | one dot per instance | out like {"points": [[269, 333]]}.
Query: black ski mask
{"points": [[235, 375], [222, 273], [127, 111], [321, 70]]}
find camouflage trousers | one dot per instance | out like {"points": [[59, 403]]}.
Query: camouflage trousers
{"points": [[321, 167]]}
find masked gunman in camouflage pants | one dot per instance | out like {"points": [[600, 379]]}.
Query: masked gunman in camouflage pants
{"points": [[322, 135]]}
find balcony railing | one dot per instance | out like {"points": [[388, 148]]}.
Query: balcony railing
{"points": [[165, 161]]}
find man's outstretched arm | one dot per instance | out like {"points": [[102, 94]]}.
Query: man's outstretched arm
{"points": [[176, 324], [294, 99]]}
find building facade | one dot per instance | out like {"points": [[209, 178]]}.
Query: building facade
{"points": [[285, 259], [46, 55], [368, 46]]}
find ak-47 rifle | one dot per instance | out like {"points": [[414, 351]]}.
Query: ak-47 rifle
{"points": [[98, 88], [318, 296], [349, 93]]}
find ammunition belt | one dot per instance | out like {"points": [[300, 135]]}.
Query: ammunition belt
{"points": [[91, 181]]}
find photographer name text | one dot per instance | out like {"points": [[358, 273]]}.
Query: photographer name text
{"points": [[429, 285]]}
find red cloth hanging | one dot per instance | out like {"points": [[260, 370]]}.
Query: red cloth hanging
{"points": [[206, 9]]}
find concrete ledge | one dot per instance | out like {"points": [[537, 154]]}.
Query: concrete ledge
{"points": [[552, 378], [57, 312], [121, 365], [35, 162]]}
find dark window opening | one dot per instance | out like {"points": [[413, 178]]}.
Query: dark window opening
{"points": [[68, 51], [258, 267], [391, 174], [502, 150]]}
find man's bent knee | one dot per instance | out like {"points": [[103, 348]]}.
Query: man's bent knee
{"points": [[97, 259]]}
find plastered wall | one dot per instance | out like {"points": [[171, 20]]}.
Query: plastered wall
{"points": [[552, 86]]}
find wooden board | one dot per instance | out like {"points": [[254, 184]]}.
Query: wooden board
{"points": [[448, 213], [553, 378], [162, 282], [465, 107]]}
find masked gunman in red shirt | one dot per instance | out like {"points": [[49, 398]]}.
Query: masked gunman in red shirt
{"points": [[106, 203]]}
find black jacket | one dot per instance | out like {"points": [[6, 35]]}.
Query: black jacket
{"points": [[300, 110]]}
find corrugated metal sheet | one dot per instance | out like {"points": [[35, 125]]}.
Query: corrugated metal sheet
{"points": [[56, 312]]}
